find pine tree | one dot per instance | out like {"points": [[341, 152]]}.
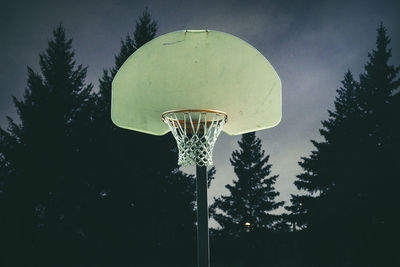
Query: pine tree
{"points": [[120, 151], [42, 153], [145, 31], [350, 179], [379, 89], [252, 196], [149, 199], [327, 163], [125, 175]]}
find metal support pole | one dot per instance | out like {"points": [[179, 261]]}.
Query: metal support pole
{"points": [[203, 250]]}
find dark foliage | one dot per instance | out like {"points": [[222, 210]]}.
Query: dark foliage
{"points": [[351, 178], [252, 196], [75, 190], [45, 175]]}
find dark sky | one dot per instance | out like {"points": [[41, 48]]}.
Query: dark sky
{"points": [[310, 44]]}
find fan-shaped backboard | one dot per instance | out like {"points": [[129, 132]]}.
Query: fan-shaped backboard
{"points": [[200, 69]]}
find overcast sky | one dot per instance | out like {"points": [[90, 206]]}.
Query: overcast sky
{"points": [[310, 44]]}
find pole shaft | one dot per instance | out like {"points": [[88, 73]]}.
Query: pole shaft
{"points": [[203, 251]]}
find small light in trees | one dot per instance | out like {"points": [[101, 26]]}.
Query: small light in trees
{"points": [[247, 224]]}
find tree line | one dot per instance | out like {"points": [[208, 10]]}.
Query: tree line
{"points": [[76, 189]]}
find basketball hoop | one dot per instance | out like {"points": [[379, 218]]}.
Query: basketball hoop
{"points": [[191, 69], [195, 131]]}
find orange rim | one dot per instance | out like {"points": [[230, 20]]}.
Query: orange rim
{"points": [[164, 114], [165, 117]]}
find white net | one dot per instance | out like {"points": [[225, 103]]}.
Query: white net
{"points": [[196, 132]]}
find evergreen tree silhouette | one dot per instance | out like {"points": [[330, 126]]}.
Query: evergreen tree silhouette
{"points": [[319, 179], [252, 196], [148, 201], [379, 89], [45, 181], [349, 178], [145, 31]]}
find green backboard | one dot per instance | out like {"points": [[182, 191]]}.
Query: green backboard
{"points": [[200, 69]]}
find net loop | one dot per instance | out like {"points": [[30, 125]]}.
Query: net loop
{"points": [[196, 132]]}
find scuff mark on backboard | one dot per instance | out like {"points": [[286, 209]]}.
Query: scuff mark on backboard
{"points": [[173, 42]]}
